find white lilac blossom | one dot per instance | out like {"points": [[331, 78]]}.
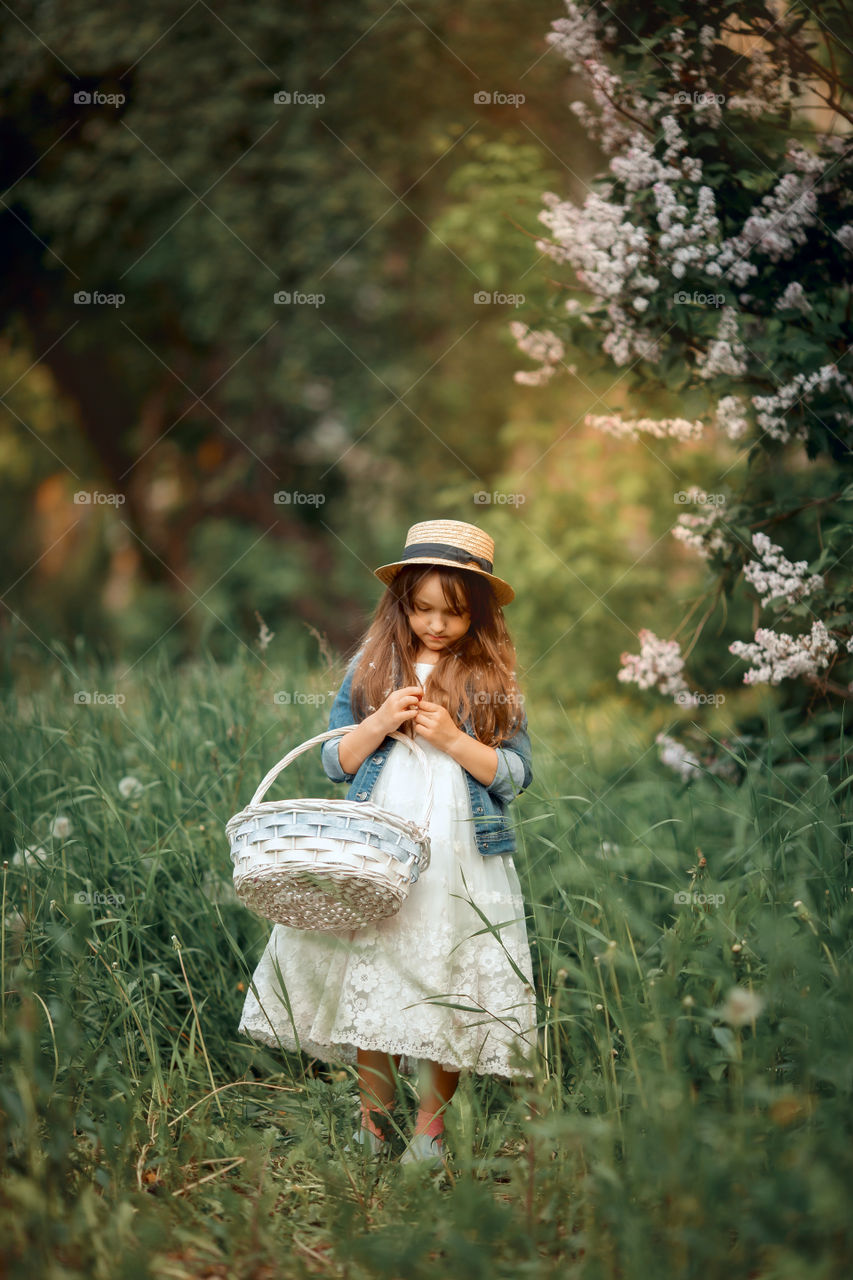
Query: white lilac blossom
{"points": [[772, 409], [638, 168], [617, 260], [726, 354], [775, 577], [614, 425], [605, 248], [624, 342], [695, 241], [730, 417], [777, 226], [676, 756], [541, 345], [578, 37], [702, 534], [610, 241], [777, 656], [793, 296], [651, 236], [659, 665]]}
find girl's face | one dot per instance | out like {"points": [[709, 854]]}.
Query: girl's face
{"points": [[432, 620]]}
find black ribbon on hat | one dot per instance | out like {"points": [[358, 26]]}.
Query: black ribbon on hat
{"points": [[445, 551]]}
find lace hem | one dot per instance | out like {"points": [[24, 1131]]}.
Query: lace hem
{"points": [[412, 1053]]}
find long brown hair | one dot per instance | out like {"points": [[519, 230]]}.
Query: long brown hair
{"points": [[474, 677]]}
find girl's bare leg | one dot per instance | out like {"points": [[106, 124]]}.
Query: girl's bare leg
{"points": [[437, 1087], [375, 1084]]}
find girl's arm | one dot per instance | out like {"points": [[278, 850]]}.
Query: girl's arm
{"points": [[356, 746], [480, 761], [515, 768], [490, 767]]}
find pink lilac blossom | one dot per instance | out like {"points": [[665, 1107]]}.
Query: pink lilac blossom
{"points": [[777, 656], [807, 162], [659, 665], [775, 577]]}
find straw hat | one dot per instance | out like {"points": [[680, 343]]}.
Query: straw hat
{"points": [[452, 543]]}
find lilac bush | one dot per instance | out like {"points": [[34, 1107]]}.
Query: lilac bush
{"points": [[711, 262]]}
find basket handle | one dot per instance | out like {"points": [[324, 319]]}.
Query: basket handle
{"points": [[266, 782]]}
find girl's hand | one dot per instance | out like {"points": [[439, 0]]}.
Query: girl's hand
{"points": [[436, 724], [399, 706]]}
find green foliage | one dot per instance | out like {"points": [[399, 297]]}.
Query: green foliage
{"points": [[199, 198], [670, 1130]]}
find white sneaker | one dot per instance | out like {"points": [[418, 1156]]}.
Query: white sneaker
{"points": [[424, 1150], [365, 1140]]}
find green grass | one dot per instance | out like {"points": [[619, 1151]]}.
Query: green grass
{"points": [[662, 1136]]}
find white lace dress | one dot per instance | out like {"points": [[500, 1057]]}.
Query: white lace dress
{"points": [[430, 982]]}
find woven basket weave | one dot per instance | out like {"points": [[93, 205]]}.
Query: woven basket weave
{"points": [[326, 864]]}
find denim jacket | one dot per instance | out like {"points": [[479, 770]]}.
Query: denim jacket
{"points": [[492, 830]]}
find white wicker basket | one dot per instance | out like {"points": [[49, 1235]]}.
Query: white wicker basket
{"points": [[326, 864]]}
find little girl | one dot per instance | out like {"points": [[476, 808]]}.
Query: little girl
{"points": [[433, 983]]}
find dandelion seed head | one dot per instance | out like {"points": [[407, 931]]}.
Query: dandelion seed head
{"points": [[740, 1007]]}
